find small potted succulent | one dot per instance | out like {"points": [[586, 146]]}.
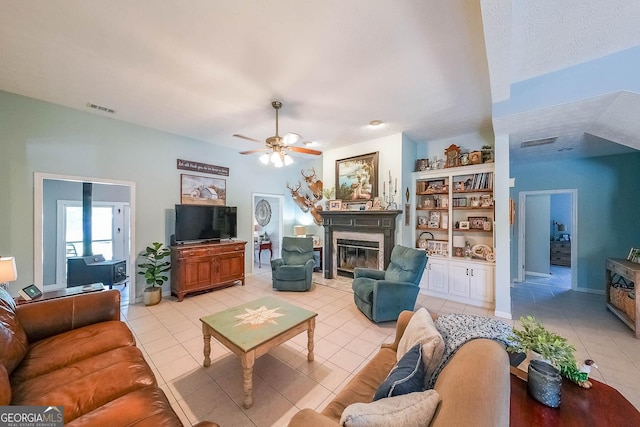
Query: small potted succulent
{"points": [[549, 347], [153, 271]]}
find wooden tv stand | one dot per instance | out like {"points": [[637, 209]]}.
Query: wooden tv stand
{"points": [[204, 266]]}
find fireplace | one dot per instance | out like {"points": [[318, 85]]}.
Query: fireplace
{"points": [[352, 253], [357, 239]]}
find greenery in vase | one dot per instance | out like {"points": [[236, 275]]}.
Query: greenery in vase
{"points": [[328, 193], [154, 267], [550, 346]]}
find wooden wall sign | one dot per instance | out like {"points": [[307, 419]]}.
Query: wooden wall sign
{"points": [[202, 167]]}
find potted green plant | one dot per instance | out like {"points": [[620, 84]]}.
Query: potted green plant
{"points": [[328, 195], [550, 347], [153, 270]]}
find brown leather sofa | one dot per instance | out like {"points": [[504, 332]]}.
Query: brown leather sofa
{"points": [[474, 386], [75, 352]]}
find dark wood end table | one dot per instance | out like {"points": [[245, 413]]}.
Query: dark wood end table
{"points": [[601, 405]]}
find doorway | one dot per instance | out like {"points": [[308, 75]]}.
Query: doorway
{"points": [[547, 227], [49, 245], [266, 227]]}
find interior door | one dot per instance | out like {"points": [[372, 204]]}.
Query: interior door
{"points": [[536, 238]]}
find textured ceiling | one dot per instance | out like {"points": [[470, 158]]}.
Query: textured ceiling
{"points": [[208, 69]]}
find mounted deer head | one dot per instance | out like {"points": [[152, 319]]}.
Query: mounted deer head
{"points": [[314, 185], [299, 200]]}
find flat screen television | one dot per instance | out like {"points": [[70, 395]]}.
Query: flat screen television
{"points": [[203, 223]]}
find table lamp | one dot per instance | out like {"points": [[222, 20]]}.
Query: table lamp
{"points": [[299, 230], [458, 246], [8, 272]]}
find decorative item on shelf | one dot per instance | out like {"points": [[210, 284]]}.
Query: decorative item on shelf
{"points": [[458, 246], [477, 222], [437, 247], [422, 220], [444, 222], [467, 250], [153, 270], [463, 225], [377, 204], [328, 194], [475, 157], [452, 155], [422, 165], [368, 206], [550, 347], [487, 154], [481, 251], [486, 200], [634, 255], [434, 219], [459, 202], [487, 225], [8, 271], [464, 159], [422, 240], [474, 202]]}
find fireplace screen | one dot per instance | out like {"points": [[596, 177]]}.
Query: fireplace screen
{"points": [[356, 253]]}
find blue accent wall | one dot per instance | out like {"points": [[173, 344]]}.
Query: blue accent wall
{"points": [[608, 207]]}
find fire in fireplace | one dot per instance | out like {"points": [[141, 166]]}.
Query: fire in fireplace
{"points": [[356, 253]]}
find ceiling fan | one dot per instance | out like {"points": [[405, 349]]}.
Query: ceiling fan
{"points": [[276, 147]]}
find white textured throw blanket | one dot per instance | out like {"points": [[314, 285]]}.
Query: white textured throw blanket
{"points": [[457, 329]]}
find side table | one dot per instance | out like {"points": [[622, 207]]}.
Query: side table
{"points": [[263, 246], [601, 405], [65, 292]]}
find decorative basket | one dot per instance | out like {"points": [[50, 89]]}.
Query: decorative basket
{"points": [[630, 307], [422, 242], [617, 297]]}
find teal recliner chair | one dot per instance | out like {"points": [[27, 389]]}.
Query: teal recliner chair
{"points": [[383, 295], [294, 271]]}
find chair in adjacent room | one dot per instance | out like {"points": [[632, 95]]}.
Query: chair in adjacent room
{"points": [[383, 295], [294, 271]]}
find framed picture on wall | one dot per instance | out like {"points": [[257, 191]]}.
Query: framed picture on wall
{"points": [[202, 190], [357, 178]]}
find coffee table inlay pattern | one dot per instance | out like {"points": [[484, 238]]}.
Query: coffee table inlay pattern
{"points": [[252, 329]]}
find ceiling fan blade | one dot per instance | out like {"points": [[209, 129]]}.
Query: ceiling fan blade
{"points": [[259, 150], [247, 138], [291, 138], [305, 150]]}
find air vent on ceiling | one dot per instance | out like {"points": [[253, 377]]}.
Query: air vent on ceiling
{"points": [[536, 142], [101, 108]]}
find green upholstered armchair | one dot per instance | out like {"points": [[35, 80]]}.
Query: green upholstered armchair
{"points": [[383, 295], [293, 272]]}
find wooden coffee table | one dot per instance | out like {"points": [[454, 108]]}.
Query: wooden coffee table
{"points": [[601, 405], [252, 329]]}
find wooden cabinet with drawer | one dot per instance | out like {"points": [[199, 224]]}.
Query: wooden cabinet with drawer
{"points": [[202, 267], [560, 253]]}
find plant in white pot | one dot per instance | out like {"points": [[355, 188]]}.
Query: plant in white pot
{"points": [[153, 271], [550, 347]]}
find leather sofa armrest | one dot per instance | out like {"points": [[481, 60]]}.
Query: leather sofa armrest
{"points": [[43, 319], [401, 325], [308, 417]]}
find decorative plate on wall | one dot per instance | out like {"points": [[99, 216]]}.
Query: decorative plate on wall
{"points": [[263, 212]]}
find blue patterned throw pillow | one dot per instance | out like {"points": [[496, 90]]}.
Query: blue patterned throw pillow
{"points": [[406, 377]]}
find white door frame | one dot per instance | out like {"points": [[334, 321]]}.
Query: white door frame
{"points": [[279, 216], [574, 235]]}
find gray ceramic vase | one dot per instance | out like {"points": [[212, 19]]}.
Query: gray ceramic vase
{"points": [[544, 383]]}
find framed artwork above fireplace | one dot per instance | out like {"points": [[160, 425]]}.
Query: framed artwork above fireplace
{"points": [[357, 178]]}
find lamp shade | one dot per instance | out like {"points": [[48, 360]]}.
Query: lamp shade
{"points": [[299, 230], [458, 241], [8, 271]]}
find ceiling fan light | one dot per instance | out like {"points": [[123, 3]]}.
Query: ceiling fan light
{"points": [[287, 160], [275, 157], [265, 158]]}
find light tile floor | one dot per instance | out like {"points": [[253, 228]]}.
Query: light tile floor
{"points": [[169, 335]]}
